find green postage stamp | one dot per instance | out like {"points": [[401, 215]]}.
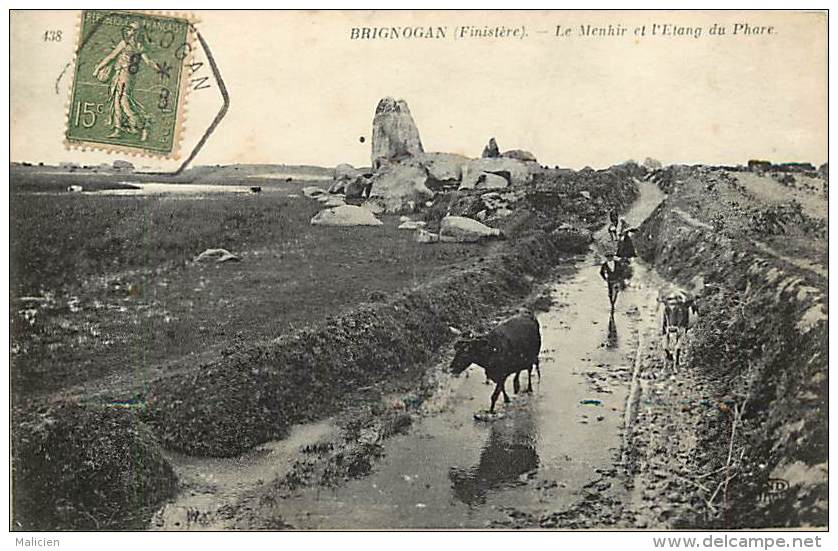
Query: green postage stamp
{"points": [[128, 89]]}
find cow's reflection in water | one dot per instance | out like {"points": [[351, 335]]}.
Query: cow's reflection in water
{"points": [[508, 453], [612, 341]]}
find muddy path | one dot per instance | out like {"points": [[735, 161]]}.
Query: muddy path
{"points": [[451, 470]]}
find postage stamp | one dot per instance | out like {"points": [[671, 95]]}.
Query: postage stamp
{"points": [[129, 90]]}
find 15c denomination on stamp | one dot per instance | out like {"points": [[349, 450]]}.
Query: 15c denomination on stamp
{"points": [[128, 90]]}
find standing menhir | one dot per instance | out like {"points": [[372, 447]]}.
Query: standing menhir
{"points": [[395, 136], [508, 349]]}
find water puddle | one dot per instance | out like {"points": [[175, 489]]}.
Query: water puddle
{"points": [[211, 487], [160, 188], [285, 176]]}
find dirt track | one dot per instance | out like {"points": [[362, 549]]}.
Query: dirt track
{"points": [[451, 470]]}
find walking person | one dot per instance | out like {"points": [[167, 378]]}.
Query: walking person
{"points": [[610, 272], [676, 318], [613, 225]]}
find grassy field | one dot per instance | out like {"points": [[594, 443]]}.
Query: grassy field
{"points": [[104, 285], [108, 285]]}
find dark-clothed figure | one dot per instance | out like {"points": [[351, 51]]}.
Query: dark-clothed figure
{"points": [[625, 249], [367, 185]]}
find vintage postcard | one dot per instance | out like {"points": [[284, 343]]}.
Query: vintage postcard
{"points": [[419, 270]]}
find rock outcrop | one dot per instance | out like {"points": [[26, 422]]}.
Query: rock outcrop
{"points": [[491, 150], [445, 170], [651, 164], [346, 172], [357, 188], [401, 187], [492, 181], [519, 172], [338, 186], [520, 154], [394, 134]]}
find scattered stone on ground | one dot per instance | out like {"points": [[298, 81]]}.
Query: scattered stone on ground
{"points": [[345, 215], [412, 224], [313, 191], [465, 230], [217, 255], [424, 236]]}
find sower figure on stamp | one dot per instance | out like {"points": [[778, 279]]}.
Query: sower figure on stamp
{"points": [[120, 69]]}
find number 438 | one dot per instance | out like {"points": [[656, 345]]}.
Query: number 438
{"points": [[52, 36]]}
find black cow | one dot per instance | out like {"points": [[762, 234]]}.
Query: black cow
{"points": [[509, 348]]}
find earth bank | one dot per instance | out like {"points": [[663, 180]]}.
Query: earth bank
{"points": [[737, 437], [759, 350]]}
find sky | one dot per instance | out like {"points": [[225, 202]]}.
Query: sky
{"points": [[302, 91]]}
